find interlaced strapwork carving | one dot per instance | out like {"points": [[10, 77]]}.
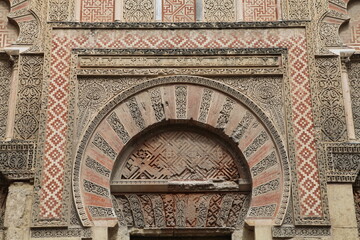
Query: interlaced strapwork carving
{"points": [[178, 11], [97, 10], [180, 155], [260, 10]]}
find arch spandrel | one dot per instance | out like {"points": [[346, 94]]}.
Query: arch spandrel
{"points": [[188, 98]]}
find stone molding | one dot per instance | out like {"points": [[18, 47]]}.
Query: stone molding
{"points": [[198, 25]]}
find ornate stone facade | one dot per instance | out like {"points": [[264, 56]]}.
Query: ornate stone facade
{"points": [[174, 118]]}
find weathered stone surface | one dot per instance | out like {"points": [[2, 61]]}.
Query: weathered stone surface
{"points": [[342, 211], [18, 211]]}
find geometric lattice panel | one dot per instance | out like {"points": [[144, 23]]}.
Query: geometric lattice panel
{"points": [[260, 10], [180, 155], [179, 11], [97, 10]]}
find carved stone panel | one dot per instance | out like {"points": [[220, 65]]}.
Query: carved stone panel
{"points": [[194, 210], [331, 114], [59, 10], [298, 9], [17, 160], [139, 10], [5, 79], [29, 95], [219, 10], [343, 162], [354, 78]]}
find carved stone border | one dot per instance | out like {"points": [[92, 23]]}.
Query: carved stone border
{"points": [[191, 80], [169, 26], [343, 162], [291, 232], [258, 52]]}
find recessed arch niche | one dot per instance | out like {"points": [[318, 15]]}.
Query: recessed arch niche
{"points": [[180, 174], [205, 103]]}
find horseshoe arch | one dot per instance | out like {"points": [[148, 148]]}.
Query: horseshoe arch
{"points": [[189, 98]]}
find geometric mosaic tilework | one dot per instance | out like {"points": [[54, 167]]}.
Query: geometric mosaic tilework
{"points": [[293, 39], [97, 10], [179, 11], [8, 32], [260, 10], [303, 122]]}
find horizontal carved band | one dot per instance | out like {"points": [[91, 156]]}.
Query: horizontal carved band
{"points": [[179, 61]]}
